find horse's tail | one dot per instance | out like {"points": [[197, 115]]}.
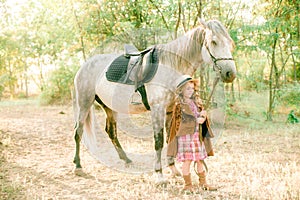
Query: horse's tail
{"points": [[89, 124], [89, 137], [75, 109]]}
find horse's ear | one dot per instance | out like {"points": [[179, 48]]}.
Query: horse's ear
{"points": [[202, 22]]}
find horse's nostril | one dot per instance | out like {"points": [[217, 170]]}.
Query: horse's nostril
{"points": [[228, 74]]}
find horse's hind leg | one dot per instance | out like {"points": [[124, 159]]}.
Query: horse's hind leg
{"points": [[78, 130], [82, 111], [111, 129]]}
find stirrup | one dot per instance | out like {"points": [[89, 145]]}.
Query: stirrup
{"points": [[136, 99]]}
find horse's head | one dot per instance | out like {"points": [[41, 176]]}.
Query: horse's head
{"points": [[217, 48]]}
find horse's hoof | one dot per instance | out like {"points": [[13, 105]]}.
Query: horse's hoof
{"points": [[128, 164], [174, 171], [128, 161], [161, 180], [78, 171], [163, 183]]}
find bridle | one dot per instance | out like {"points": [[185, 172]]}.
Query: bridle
{"points": [[216, 67]]}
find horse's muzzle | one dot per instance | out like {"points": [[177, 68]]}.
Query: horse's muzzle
{"points": [[228, 75]]}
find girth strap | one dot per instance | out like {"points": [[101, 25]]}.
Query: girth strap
{"points": [[142, 91]]}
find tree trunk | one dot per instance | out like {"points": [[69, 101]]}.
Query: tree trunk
{"points": [[232, 92], [199, 12], [81, 36], [272, 90], [294, 61], [11, 83], [178, 19], [26, 80]]}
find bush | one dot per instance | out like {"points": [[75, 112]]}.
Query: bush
{"points": [[58, 90], [291, 95]]}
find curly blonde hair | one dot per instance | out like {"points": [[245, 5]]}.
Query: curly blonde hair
{"points": [[195, 96]]}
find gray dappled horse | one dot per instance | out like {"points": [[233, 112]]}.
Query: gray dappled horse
{"points": [[208, 43]]}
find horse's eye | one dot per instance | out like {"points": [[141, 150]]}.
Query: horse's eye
{"points": [[214, 42]]}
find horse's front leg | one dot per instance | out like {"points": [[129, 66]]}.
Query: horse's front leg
{"points": [[157, 115]]}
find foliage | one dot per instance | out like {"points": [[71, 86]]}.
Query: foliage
{"points": [[291, 95], [36, 36], [59, 87], [276, 39], [292, 118]]}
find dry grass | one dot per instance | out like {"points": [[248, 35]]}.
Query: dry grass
{"points": [[254, 160]]}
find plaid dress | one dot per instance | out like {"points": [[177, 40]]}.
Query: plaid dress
{"points": [[189, 146]]}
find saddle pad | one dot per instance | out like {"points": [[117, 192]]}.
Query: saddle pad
{"points": [[118, 69]]}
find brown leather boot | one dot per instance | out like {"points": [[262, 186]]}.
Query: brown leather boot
{"points": [[203, 184], [188, 187]]}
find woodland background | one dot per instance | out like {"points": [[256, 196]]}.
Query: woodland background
{"points": [[43, 42]]}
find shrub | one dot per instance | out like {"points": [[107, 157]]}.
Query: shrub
{"points": [[58, 90], [291, 95]]}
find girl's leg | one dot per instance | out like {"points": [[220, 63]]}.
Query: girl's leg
{"points": [[188, 187], [186, 167], [202, 177], [199, 166]]}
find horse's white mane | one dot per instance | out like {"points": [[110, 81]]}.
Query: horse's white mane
{"points": [[186, 50]]}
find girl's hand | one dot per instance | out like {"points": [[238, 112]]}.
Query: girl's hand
{"points": [[203, 113], [201, 120]]}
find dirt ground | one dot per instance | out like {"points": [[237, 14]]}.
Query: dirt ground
{"points": [[37, 149]]}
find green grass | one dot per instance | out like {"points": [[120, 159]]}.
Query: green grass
{"points": [[250, 112]]}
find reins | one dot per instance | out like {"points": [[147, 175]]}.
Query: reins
{"points": [[216, 80], [206, 169]]}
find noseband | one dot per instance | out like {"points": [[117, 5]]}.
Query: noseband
{"points": [[216, 67]]}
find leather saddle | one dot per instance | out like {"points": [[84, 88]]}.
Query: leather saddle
{"points": [[134, 67]]}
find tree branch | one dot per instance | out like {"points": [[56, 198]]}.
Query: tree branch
{"points": [[162, 15]]}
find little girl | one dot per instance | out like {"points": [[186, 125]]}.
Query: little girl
{"points": [[190, 133]]}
